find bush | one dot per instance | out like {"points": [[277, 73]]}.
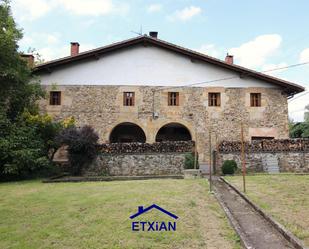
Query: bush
{"points": [[22, 151], [82, 146], [229, 167], [189, 161]]}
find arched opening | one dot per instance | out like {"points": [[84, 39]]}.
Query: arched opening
{"points": [[127, 133], [173, 132]]}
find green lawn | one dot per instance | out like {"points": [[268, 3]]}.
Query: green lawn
{"points": [[285, 197], [96, 215]]}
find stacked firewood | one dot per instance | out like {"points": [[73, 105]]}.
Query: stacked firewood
{"points": [[265, 145], [160, 147]]}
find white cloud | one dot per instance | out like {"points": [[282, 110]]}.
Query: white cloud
{"points": [[254, 53], [86, 47], [304, 56], [270, 66], [52, 39], [56, 52], [186, 13], [89, 7], [39, 39], [50, 53], [154, 7], [210, 49], [29, 10]]}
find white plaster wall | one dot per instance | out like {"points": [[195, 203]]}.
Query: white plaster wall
{"points": [[141, 65]]}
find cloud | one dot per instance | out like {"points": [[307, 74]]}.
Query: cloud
{"points": [[89, 7], [185, 14], [209, 49], [154, 7], [38, 39], [271, 66], [29, 10], [304, 56], [55, 52], [254, 53]]}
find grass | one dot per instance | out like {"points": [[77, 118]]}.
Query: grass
{"points": [[285, 197], [96, 215]]}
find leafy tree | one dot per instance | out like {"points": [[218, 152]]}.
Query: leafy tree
{"points": [[48, 129], [82, 146], [306, 114], [24, 142], [300, 129], [21, 150], [18, 90]]}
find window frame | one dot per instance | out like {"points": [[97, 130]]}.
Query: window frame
{"points": [[255, 99], [128, 100], [173, 99], [214, 99], [54, 101]]}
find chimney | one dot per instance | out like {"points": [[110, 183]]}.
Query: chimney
{"points": [[140, 209], [29, 58], [153, 34], [229, 59], [74, 48]]}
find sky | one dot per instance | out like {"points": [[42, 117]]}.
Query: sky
{"points": [[262, 35]]}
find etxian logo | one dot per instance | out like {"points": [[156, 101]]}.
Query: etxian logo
{"points": [[153, 226]]}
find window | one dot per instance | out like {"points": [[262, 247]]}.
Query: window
{"points": [[128, 98], [55, 98], [255, 99], [173, 98], [214, 99]]}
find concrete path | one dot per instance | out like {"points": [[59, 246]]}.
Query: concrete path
{"points": [[254, 230]]}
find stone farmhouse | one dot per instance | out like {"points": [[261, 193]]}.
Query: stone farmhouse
{"points": [[146, 90]]}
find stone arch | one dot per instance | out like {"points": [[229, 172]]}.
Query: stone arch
{"points": [[127, 132], [173, 132]]}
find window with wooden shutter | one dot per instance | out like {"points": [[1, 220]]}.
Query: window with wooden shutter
{"points": [[214, 99], [173, 98], [128, 98], [255, 99], [55, 98]]}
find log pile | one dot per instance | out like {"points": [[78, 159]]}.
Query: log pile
{"points": [[274, 145], [162, 147]]}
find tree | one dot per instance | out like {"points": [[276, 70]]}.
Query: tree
{"points": [[300, 129], [23, 146], [306, 114], [18, 90]]}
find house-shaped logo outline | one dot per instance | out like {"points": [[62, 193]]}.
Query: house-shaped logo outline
{"points": [[142, 210]]}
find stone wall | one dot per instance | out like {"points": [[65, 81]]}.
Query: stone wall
{"points": [[292, 155], [137, 164], [102, 107], [296, 162]]}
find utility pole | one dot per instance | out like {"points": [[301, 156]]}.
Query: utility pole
{"points": [[243, 157], [210, 163], [195, 148]]}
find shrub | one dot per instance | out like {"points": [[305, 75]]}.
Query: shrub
{"points": [[189, 161], [229, 167], [22, 151], [82, 146]]}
